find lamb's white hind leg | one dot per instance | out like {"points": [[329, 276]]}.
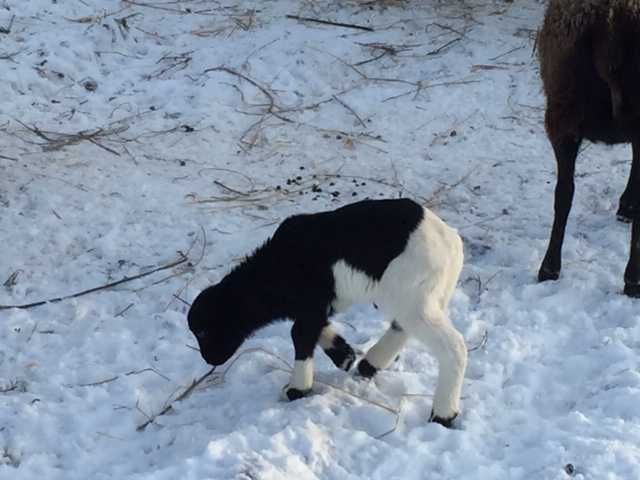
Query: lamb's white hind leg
{"points": [[435, 330], [384, 352]]}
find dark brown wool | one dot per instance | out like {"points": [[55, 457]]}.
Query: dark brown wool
{"points": [[590, 65]]}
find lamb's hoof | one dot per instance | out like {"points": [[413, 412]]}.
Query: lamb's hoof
{"points": [[291, 394], [342, 356], [445, 422], [365, 369], [545, 274], [348, 361], [626, 213], [632, 290]]}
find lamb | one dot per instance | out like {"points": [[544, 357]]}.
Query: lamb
{"points": [[392, 253], [589, 52]]}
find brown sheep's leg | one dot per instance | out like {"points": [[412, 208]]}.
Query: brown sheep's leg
{"points": [[566, 151], [632, 272], [630, 199]]}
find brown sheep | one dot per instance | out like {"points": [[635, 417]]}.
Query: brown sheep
{"points": [[589, 53]]}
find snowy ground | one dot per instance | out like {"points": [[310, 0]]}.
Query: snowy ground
{"points": [[204, 124]]}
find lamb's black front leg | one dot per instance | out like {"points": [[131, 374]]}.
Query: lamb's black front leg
{"points": [[337, 348], [305, 334]]}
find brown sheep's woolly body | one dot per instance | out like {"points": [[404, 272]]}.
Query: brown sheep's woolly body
{"points": [[566, 20], [578, 44]]}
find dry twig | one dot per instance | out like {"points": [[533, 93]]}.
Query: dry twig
{"points": [[386, 49], [353, 112], [172, 64], [445, 187], [328, 22], [115, 377], [271, 108], [7, 30], [182, 396], [156, 7], [13, 385], [422, 85], [183, 258], [193, 266], [56, 141], [10, 56]]}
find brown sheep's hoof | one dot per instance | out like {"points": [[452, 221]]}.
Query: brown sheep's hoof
{"points": [[625, 213], [544, 274], [631, 290], [365, 369], [445, 422]]}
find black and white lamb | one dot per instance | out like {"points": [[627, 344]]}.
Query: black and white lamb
{"points": [[393, 253], [590, 66]]}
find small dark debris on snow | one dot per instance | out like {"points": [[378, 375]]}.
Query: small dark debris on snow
{"points": [[12, 280], [187, 128], [570, 469], [7, 30], [90, 85]]}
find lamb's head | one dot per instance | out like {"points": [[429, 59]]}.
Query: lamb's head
{"points": [[215, 320]]}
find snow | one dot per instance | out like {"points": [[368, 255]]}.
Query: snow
{"points": [[188, 161]]}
